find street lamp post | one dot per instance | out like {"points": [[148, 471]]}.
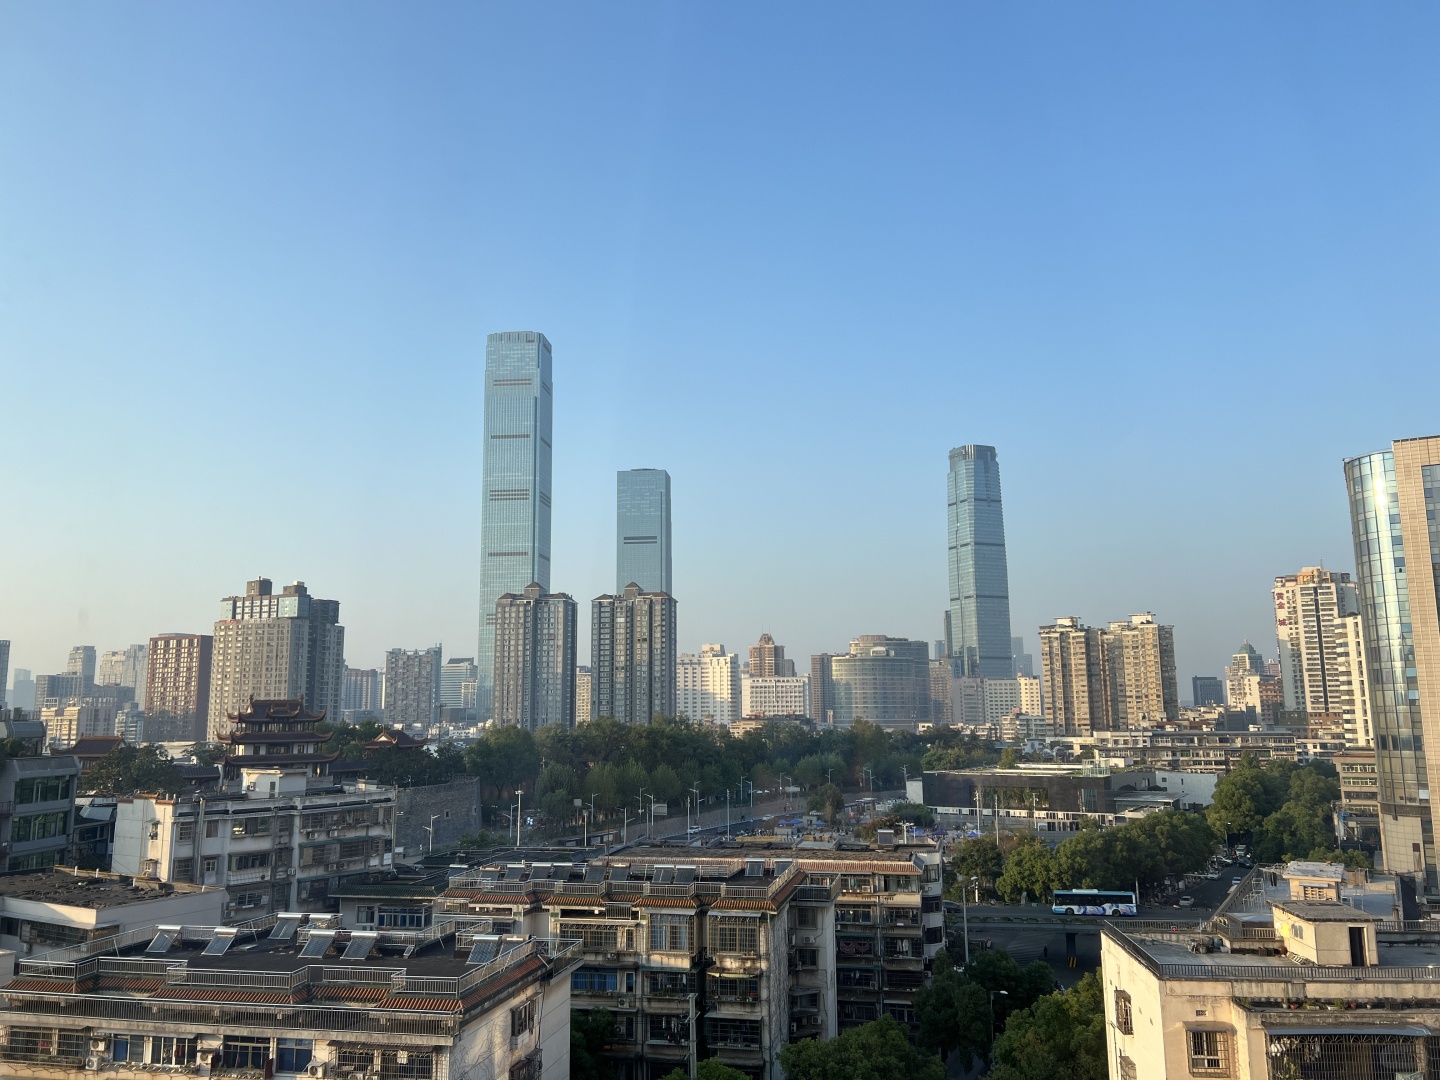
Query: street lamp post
{"points": [[431, 830], [965, 914]]}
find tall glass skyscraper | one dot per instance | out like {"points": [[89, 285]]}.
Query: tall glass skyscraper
{"points": [[979, 622], [642, 530], [515, 491], [1395, 521]]}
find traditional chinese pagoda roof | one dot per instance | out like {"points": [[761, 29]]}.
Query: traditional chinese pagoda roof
{"points": [[396, 738]]}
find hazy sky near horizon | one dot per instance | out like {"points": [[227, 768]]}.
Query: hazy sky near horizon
{"points": [[1174, 261]]}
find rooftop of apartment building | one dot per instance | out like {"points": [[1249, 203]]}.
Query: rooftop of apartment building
{"points": [[85, 888], [302, 961]]}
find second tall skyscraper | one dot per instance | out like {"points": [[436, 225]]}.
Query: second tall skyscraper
{"points": [[978, 622]]}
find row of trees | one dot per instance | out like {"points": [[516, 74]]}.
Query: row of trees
{"points": [[1283, 810], [1160, 845]]}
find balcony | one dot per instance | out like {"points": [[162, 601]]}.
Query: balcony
{"points": [[248, 877]]}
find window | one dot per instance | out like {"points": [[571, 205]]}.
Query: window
{"points": [[726, 1032], [905, 1014], [522, 1018], [732, 989], [593, 937], [807, 918], [120, 1048], [807, 958], [252, 861], [245, 1052], [250, 826], [408, 918], [671, 1029], [1209, 1053], [212, 863], [184, 870], [736, 936], [527, 1068], [594, 981], [863, 978], [42, 789], [1124, 1019], [165, 1050], [292, 1055], [667, 983], [365, 915], [185, 832], [39, 826], [212, 829], [670, 933]]}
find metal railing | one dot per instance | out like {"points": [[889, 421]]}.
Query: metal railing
{"points": [[116, 943], [202, 1015]]}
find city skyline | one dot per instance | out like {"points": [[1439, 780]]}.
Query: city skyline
{"points": [[353, 278]]}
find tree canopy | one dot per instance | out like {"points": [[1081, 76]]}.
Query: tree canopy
{"points": [[709, 1069], [1059, 1037], [1285, 808], [879, 1050], [130, 770]]}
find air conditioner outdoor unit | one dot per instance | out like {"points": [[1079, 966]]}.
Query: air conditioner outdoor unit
{"points": [[97, 1046], [612, 956], [94, 1062], [794, 1029], [312, 834], [792, 939], [332, 866], [332, 832], [808, 939], [317, 1069], [622, 1003]]}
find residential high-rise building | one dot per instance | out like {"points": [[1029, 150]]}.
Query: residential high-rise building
{"points": [[979, 579], [456, 672], [1206, 690], [1141, 654], [1351, 666], [632, 655], [1394, 508], [1032, 701], [1249, 684], [125, 667], [942, 691], [1024, 662], [22, 693], [177, 679], [774, 695], [275, 646], [534, 675], [822, 689], [642, 530], [4, 671], [56, 691], [984, 701], [884, 680], [708, 686], [82, 662], [412, 687], [582, 694], [515, 487], [1077, 692], [768, 659], [1309, 611], [362, 693]]}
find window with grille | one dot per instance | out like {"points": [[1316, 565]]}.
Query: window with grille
{"points": [[807, 958], [522, 1018], [527, 1068], [726, 1032], [670, 933], [807, 918], [1209, 1053], [165, 1050], [1127, 1068], [245, 1052], [1124, 1020], [740, 936], [593, 937]]}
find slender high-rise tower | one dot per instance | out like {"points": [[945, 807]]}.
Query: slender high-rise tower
{"points": [[515, 491], [642, 530], [1394, 505], [979, 625]]}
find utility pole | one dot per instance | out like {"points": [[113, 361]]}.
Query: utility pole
{"points": [[696, 792], [519, 795], [727, 813], [691, 1018]]}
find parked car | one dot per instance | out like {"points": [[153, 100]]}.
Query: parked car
{"points": [[1186, 902], [1235, 881], [1212, 875], [952, 905]]}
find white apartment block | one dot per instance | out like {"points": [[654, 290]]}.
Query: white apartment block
{"points": [[708, 685], [985, 701], [1031, 700], [774, 695], [1354, 686], [1311, 608]]}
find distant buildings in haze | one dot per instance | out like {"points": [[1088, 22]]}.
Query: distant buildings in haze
{"points": [[412, 687]]}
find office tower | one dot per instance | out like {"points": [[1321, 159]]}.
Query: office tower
{"points": [[23, 690], [1141, 654], [109, 668], [1309, 607], [940, 652], [82, 663], [412, 687], [515, 506], [884, 680], [708, 686], [1394, 507], [124, 667], [774, 695], [1024, 662], [984, 701], [642, 530], [534, 675], [582, 694], [456, 672], [1249, 684], [361, 692], [55, 691], [177, 679], [1207, 690], [1072, 661], [767, 660], [632, 655], [275, 647], [4, 671], [979, 580], [822, 689], [942, 690]]}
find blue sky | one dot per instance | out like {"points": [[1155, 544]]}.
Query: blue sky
{"points": [[1175, 262]]}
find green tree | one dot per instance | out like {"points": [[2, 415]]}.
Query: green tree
{"points": [[1009, 758], [829, 801], [879, 1050], [709, 1069], [954, 1014], [591, 1030], [1240, 801], [130, 770], [207, 753], [1060, 1037], [1356, 860], [978, 858], [1029, 870], [996, 971]]}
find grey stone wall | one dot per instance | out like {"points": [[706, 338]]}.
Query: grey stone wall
{"points": [[455, 806]]}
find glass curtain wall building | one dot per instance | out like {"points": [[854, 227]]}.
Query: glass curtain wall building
{"points": [[642, 530], [515, 491], [979, 617], [1393, 514]]}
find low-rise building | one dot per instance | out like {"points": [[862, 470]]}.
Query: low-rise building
{"points": [[50, 909], [37, 800], [289, 998]]}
